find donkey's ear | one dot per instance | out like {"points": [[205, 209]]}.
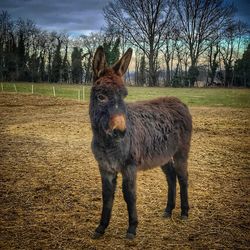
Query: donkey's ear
{"points": [[122, 65], [99, 61]]}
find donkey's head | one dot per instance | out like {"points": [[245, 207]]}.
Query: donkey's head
{"points": [[107, 108]]}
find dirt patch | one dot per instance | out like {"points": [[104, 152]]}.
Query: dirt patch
{"points": [[50, 194]]}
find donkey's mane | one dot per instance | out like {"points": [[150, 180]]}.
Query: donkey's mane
{"points": [[107, 76]]}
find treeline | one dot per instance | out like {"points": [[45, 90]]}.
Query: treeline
{"points": [[182, 42], [176, 43], [28, 53]]}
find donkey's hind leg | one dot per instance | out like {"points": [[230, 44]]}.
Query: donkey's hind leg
{"points": [[180, 164], [170, 173]]}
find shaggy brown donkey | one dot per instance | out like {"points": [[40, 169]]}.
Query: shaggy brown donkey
{"points": [[136, 136]]}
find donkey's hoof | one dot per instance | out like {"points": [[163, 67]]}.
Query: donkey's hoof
{"points": [[130, 236], [97, 235], [167, 215], [184, 217]]}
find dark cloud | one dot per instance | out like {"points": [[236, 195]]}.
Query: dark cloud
{"points": [[78, 16], [75, 16], [243, 10]]}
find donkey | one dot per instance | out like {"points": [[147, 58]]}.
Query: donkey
{"points": [[128, 137]]}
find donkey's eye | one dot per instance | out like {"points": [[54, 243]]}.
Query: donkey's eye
{"points": [[102, 98]]}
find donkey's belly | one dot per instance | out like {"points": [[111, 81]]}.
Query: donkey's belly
{"points": [[156, 152], [148, 163]]}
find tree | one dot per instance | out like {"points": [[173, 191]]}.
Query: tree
{"points": [[57, 61], [43, 40], [111, 50], [230, 44], [199, 22], [28, 45], [21, 62], [213, 60], [10, 59], [142, 71], [65, 65], [180, 35], [51, 44], [145, 23], [76, 63], [7, 47], [89, 44], [33, 65], [242, 69]]}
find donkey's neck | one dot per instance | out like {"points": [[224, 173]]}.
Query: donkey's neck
{"points": [[111, 149], [106, 141]]}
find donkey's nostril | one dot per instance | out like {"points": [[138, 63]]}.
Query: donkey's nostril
{"points": [[119, 133]]}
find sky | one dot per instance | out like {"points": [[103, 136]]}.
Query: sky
{"points": [[72, 16], [78, 16]]}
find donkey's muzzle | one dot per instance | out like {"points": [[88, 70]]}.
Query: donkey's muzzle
{"points": [[117, 125]]}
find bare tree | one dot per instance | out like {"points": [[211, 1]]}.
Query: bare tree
{"points": [[213, 60], [230, 44], [88, 44], [50, 47], [145, 23], [171, 40], [199, 22], [7, 46]]}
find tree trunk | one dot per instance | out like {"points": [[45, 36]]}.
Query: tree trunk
{"points": [[167, 61], [192, 79], [151, 70], [152, 65]]}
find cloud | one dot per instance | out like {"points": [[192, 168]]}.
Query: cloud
{"points": [[78, 16], [243, 10], [67, 15]]}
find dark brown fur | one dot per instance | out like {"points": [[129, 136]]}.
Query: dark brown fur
{"points": [[159, 129], [158, 133]]}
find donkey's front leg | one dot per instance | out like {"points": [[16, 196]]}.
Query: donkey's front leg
{"points": [[129, 193], [108, 191]]}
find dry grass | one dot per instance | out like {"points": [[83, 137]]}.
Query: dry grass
{"points": [[50, 194]]}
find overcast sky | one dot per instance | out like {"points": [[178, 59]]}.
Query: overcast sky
{"points": [[77, 16]]}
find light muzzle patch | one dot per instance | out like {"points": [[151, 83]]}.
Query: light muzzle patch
{"points": [[117, 122]]}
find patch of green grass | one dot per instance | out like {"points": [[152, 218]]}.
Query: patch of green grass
{"points": [[61, 90], [211, 97]]}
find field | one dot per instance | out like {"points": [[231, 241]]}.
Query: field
{"points": [[50, 194], [211, 97]]}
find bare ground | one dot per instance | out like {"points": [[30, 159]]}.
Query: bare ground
{"points": [[50, 190]]}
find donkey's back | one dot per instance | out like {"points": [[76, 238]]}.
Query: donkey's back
{"points": [[159, 129]]}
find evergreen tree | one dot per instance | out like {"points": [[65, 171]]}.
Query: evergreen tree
{"points": [[107, 49], [115, 52], [193, 74], [112, 52], [34, 67], [88, 69], [65, 66], [10, 59], [76, 64], [57, 63], [42, 72], [142, 71], [242, 69], [21, 62]]}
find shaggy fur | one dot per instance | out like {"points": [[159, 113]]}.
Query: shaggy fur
{"points": [[136, 136]]}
